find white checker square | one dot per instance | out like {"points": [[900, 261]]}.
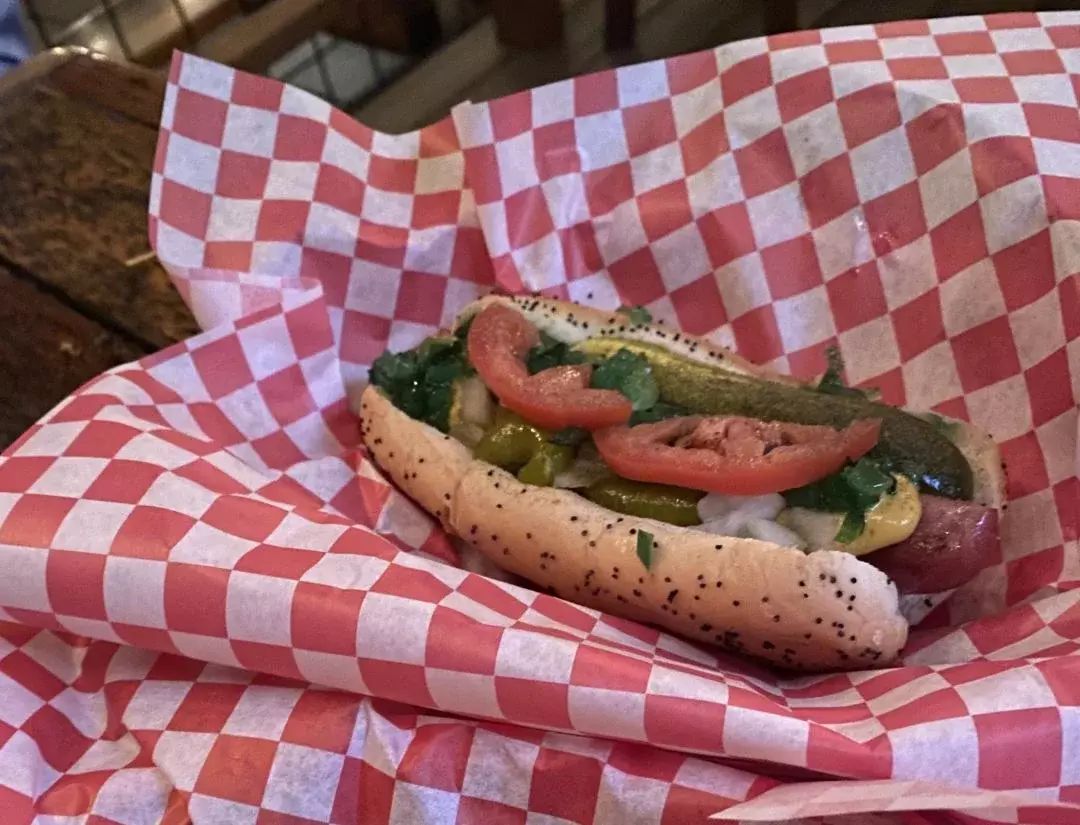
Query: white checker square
{"points": [[393, 208], [292, 180], [974, 65], [250, 131], [664, 681], [52, 439], [1017, 689], [947, 189], [752, 117], [258, 608], [178, 247], [496, 234], [1054, 89], [246, 409], [274, 256], [7, 502], [1021, 40], [1070, 745], [601, 140], [869, 350], [985, 120], [630, 799], [527, 655], [608, 713], [89, 628], [430, 250], [444, 173], [541, 263], [303, 781], [156, 182], [1013, 212], [552, 103], [1037, 329], [19, 703], [916, 97], [786, 742], [929, 751], [416, 803], [931, 377], [266, 346], [804, 319], [85, 710], [208, 545], [205, 648], [469, 694], [850, 78], [347, 571], [694, 107], [206, 77], [297, 532], [1060, 465], [332, 230], [262, 712], [907, 272], [657, 167], [971, 297], [330, 669], [135, 591], [68, 476], [743, 285], [153, 704], [882, 164], [1057, 157], [566, 201], [790, 63], [22, 767], [845, 34], [373, 288], [133, 795], [815, 137], [473, 124], [622, 233], [1033, 525], [1003, 408], [23, 583], [343, 153], [203, 808], [295, 101], [510, 784], [912, 46], [232, 219], [778, 215], [517, 163], [642, 83], [405, 146], [393, 628], [717, 185], [681, 257]]}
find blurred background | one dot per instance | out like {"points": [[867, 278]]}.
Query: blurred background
{"points": [[398, 64]]}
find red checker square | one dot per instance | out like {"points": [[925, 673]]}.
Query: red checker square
{"points": [[340, 189], [322, 719], [282, 562], [810, 362], [17, 473], [206, 707], [891, 386], [363, 337], [1012, 20], [992, 633], [1063, 676], [555, 148], [281, 220], [959, 242], [511, 115], [458, 642], [170, 668], [985, 89], [684, 805], [257, 92], [1032, 572], [1049, 385], [746, 77], [565, 785], [123, 481], [363, 792], [195, 599], [481, 165], [1064, 37], [637, 278], [933, 707], [75, 583], [918, 324], [241, 176], [765, 164], [474, 811], [935, 135], [27, 672], [490, 595], [1069, 294], [232, 255], [649, 126], [236, 769], [437, 756], [581, 255], [595, 93], [324, 618], [350, 129], [902, 28], [287, 396], [608, 187], [985, 354], [1025, 270], [34, 520], [275, 659], [60, 742], [420, 298], [757, 336], [207, 475], [299, 138], [684, 723], [1054, 122], [146, 637], [22, 809], [918, 68], [525, 701], [665, 209], [435, 209], [331, 269], [829, 190], [704, 143], [1067, 623], [268, 817], [199, 117], [803, 93], [837, 755], [646, 761], [244, 517], [1030, 737], [856, 296], [688, 71], [411, 584], [600, 668], [853, 51], [1037, 61], [1066, 494], [869, 112], [150, 533], [403, 683], [527, 217], [1062, 197], [999, 161], [185, 209], [699, 306], [392, 174], [791, 267], [217, 427], [309, 329], [965, 43]]}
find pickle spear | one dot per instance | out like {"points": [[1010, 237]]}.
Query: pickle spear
{"points": [[908, 444]]}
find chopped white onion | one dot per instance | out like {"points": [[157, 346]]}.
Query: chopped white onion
{"points": [[765, 530], [587, 469], [715, 505]]}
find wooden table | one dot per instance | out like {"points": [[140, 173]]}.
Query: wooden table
{"points": [[79, 290]]}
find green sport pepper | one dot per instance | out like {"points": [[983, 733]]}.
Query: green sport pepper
{"points": [[674, 505], [546, 463], [516, 445]]}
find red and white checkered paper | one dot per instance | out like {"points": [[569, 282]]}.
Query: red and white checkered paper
{"points": [[196, 554]]}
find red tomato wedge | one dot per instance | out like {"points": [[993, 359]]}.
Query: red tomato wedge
{"points": [[735, 456], [499, 339]]}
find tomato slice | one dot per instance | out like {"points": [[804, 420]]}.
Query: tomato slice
{"points": [[735, 456], [499, 339]]}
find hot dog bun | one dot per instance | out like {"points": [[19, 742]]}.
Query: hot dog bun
{"points": [[826, 610]]}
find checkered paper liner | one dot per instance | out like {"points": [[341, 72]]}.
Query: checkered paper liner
{"points": [[906, 191]]}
